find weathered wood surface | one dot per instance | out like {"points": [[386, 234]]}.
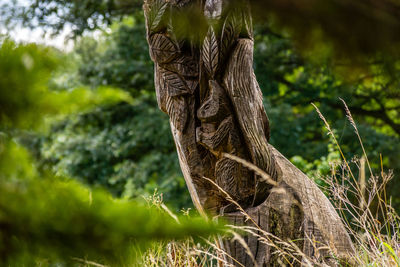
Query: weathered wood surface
{"points": [[296, 209], [242, 88], [205, 82]]}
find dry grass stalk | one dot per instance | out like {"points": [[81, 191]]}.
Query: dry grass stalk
{"points": [[377, 238]]}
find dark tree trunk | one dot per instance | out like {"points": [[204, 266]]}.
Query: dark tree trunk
{"points": [[203, 55]]}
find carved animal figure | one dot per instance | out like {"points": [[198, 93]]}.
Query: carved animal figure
{"points": [[218, 133]]}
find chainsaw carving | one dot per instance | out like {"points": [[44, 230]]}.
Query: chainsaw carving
{"points": [[204, 81], [218, 133]]}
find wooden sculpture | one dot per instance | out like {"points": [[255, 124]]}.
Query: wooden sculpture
{"points": [[205, 82]]}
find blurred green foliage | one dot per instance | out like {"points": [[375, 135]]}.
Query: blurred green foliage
{"points": [[45, 219], [56, 14], [52, 219], [128, 149], [22, 67], [30, 67], [125, 147], [120, 59], [290, 84]]}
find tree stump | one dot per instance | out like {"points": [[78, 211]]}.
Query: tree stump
{"points": [[204, 81]]}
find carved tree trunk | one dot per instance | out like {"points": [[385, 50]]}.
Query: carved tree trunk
{"points": [[204, 79]]}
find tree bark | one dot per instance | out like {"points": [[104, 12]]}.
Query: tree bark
{"points": [[204, 81]]}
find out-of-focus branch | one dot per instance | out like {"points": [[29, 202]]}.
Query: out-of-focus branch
{"points": [[358, 27]]}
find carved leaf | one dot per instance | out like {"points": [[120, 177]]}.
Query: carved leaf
{"points": [[155, 13], [162, 49], [230, 32], [192, 85], [177, 111], [210, 52], [183, 65], [227, 177], [176, 86]]}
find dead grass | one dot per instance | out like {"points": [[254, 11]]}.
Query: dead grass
{"points": [[361, 201]]}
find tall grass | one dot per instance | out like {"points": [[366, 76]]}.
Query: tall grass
{"points": [[364, 206], [361, 201]]}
